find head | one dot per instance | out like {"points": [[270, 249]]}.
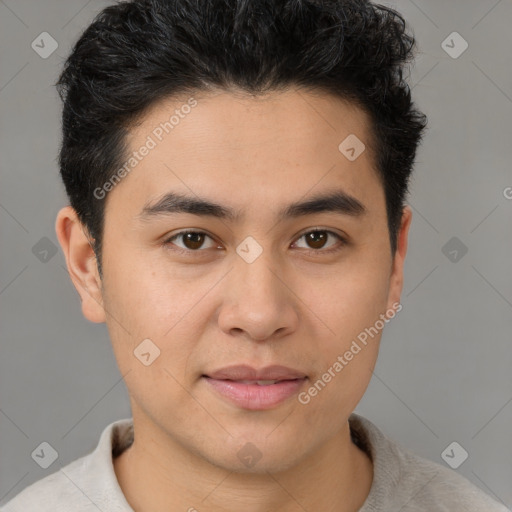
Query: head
{"points": [[243, 108]]}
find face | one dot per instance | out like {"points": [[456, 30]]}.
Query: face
{"points": [[257, 284]]}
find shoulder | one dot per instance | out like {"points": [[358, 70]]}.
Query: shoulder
{"points": [[426, 486], [54, 492], [407, 482], [86, 484]]}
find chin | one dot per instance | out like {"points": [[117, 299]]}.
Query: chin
{"points": [[259, 456]]}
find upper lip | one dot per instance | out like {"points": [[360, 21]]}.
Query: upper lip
{"points": [[246, 372]]}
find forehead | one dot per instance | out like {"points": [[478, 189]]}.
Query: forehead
{"points": [[248, 152], [238, 120]]}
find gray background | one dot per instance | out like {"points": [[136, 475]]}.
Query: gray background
{"points": [[444, 372]]}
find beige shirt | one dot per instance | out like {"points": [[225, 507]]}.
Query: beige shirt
{"points": [[402, 481]]}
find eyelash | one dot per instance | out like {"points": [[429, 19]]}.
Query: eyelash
{"points": [[336, 248]]}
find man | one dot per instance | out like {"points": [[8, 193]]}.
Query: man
{"points": [[237, 173]]}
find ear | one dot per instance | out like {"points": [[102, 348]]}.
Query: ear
{"points": [[81, 263], [397, 271]]}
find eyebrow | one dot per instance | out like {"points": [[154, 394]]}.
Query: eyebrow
{"points": [[173, 203]]}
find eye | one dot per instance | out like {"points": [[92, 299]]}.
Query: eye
{"points": [[192, 240], [317, 238]]}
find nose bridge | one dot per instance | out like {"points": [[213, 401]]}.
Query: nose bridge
{"points": [[256, 276]]}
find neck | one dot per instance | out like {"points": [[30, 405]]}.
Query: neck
{"points": [[337, 477]]}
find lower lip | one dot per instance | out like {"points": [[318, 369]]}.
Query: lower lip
{"points": [[253, 396]]}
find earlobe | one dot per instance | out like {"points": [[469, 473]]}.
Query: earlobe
{"points": [[396, 280], [81, 263]]}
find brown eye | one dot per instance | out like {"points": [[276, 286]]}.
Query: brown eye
{"points": [[191, 240], [317, 239]]}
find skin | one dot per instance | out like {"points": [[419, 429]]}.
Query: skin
{"points": [[294, 305]]}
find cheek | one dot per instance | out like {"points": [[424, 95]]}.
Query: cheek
{"points": [[350, 304], [149, 299], [148, 296], [347, 357], [348, 300], [151, 336]]}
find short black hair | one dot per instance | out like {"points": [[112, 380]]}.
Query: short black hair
{"points": [[138, 52]]}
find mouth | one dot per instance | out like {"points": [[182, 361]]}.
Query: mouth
{"points": [[252, 389], [258, 382]]}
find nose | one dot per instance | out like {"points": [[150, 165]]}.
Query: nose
{"points": [[258, 302]]}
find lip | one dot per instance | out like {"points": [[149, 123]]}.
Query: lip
{"points": [[231, 384], [246, 372]]}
